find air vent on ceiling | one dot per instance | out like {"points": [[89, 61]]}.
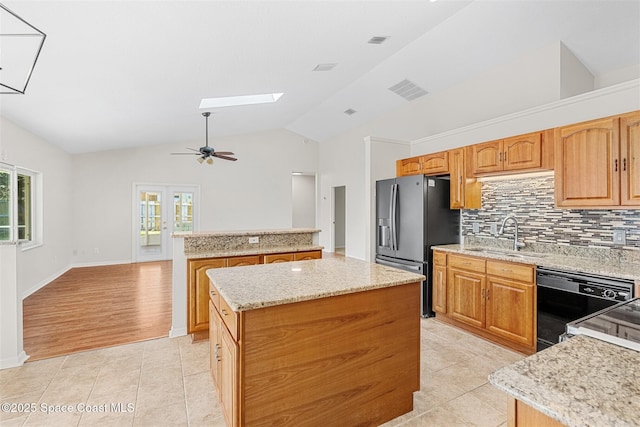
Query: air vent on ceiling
{"points": [[324, 67], [408, 90], [378, 39], [349, 111]]}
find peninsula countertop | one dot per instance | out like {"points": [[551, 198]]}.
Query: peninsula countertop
{"points": [[580, 382], [255, 286]]}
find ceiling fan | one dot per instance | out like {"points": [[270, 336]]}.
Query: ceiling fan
{"points": [[206, 152]]}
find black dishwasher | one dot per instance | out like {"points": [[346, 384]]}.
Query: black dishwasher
{"points": [[565, 296]]}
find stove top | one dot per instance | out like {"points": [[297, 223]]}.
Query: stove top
{"points": [[618, 325]]}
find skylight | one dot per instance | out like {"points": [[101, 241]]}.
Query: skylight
{"points": [[232, 101]]}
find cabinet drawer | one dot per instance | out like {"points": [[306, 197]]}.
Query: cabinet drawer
{"points": [[214, 296], [302, 256], [440, 258], [509, 270], [467, 263], [230, 318], [271, 258], [239, 261]]}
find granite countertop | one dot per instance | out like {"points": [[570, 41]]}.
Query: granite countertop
{"points": [[580, 382], [255, 286], [244, 232], [606, 266], [223, 253]]}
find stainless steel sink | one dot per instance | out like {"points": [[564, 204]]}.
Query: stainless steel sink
{"points": [[507, 253]]}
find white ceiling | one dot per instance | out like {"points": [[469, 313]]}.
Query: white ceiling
{"points": [[116, 74]]}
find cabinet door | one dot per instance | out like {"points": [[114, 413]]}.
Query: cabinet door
{"points": [[303, 256], [228, 381], [630, 155], [271, 258], [436, 163], [409, 166], [522, 152], [456, 168], [466, 301], [214, 345], [198, 292], [510, 309], [487, 157], [587, 164], [440, 289], [238, 261]]}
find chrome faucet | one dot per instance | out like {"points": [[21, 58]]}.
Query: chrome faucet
{"points": [[516, 245]]}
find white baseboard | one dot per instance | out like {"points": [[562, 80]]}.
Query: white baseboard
{"points": [[100, 264], [177, 332], [14, 362], [45, 282]]}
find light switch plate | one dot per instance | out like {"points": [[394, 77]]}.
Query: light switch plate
{"points": [[254, 239], [619, 237]]}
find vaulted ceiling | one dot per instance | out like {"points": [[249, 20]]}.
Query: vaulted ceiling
{"points": [[115, 74]]}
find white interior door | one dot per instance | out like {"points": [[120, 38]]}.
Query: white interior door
{"points": [[160, 210]]}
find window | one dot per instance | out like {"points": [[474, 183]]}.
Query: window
{"points": [[17, 204]]}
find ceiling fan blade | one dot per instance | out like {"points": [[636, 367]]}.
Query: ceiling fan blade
{"points": [[193, 149], [225, 153], [224, 157], [190, 154]]}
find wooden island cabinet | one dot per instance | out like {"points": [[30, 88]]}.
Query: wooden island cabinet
{"points": [[336, 343], [198, 282]]}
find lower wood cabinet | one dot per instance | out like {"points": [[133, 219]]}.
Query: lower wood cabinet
{"points": [[439, 299], [198, 282], [494, 299], [520, 414]]}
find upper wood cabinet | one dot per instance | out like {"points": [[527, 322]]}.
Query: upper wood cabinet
{"points": [[410, 166], [532, 151], [435, 163], [465, 193], [630, 153], [597, 163], [429, 164]]}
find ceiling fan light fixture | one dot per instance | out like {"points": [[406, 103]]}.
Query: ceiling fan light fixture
{"points": [[200, 160], [232, 101], [209, 161]]}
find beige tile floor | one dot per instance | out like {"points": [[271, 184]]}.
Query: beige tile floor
{"points": [[166, 382]]}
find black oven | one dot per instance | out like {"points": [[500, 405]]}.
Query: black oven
{"points": [[565, 296]]}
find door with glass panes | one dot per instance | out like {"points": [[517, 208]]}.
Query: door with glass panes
{"points": [[159, 212]]}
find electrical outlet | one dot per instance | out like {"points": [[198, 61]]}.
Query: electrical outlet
{"points": [[494, 229], [619, 237], [254, 239], [475, 226]]}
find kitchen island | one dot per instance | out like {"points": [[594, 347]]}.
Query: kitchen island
{"points": [[580, 382], [322, 342]]}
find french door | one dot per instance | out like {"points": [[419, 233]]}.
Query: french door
{"points": [[159, 211]]}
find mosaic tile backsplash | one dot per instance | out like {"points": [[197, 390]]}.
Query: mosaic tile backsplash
{"points": [[531, 200]]}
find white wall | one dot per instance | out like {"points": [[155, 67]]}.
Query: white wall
{"points": [[252, 193], [24, 271], [303, 190], [39, 265]]}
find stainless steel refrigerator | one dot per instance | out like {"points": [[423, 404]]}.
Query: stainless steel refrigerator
{"points": [[413, 214]]}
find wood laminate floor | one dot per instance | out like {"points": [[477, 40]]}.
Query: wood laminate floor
{"points": [[97, 307]]}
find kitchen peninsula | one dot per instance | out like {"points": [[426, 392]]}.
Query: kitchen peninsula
{"points": [[323, 342], [195, 252], [580, 382]]}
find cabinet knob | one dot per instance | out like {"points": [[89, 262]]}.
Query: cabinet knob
{"points": [[224, 312]]}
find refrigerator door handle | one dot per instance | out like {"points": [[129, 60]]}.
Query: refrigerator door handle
{"points": [[391, 219], [394, 219]]}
